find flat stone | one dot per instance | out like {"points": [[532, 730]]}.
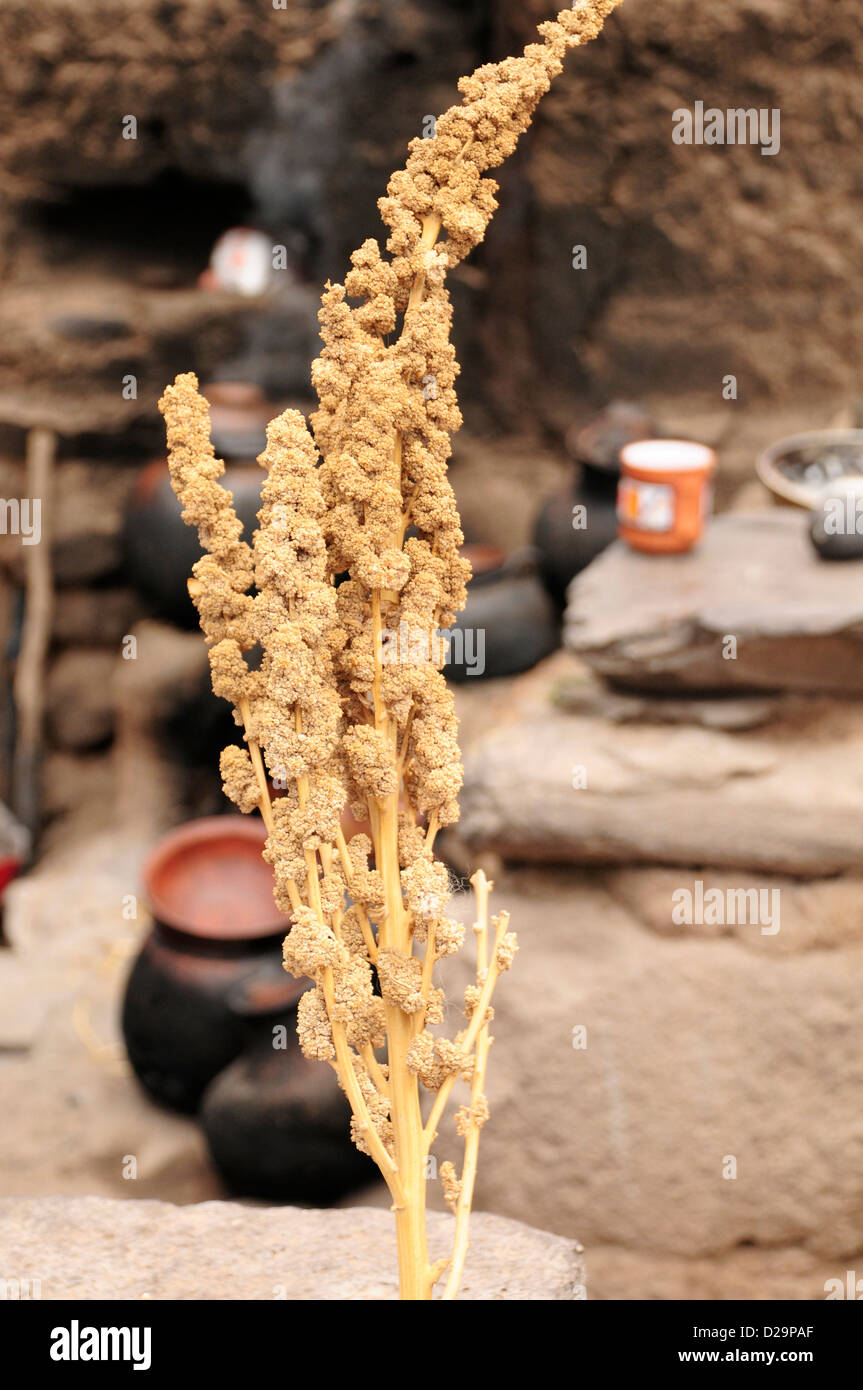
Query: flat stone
{"points": [[629, 707], [695, 1052], [70, 907], [552, 787], [76, 1122], [169, 670], [810, 915], [97, 1248], [661, 621], [747, 1273], [79, 787]]}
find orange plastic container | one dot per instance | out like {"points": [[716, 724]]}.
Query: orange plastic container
{"points": [[664, 494]]}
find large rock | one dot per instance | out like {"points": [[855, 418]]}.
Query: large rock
{"points": [[695, 1053], [663, 621], [93, 1248], [548, 786], [746, 1273], [821, 913]]}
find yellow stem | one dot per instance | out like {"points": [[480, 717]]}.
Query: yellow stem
{"points": [[415, 1283], [373, 1067], [344, 1058], [403, 752], [436, 1271], [405, 1114], [482, 888], [265, 806], [365, 924], [344, 1054], [428, 967], [468, 1177], [368, 937], [380, 713]]}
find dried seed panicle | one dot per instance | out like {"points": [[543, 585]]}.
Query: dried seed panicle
{"points": [[324, 636]]}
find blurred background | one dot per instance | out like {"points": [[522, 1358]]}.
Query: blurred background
{"points": [[179, 178]]}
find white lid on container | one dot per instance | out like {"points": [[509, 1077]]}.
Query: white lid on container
{"points": [[667, 455]]}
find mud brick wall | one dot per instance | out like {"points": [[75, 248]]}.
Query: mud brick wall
{"points": [[701, 261]]}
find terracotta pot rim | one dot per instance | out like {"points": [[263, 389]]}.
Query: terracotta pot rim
{"points": [[232, 394], [581, 440], [484, 557], [194, 833]]}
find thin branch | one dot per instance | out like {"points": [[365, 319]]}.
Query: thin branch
{"points": [[344, 1057], [403, 752], [467, 1041], [468, 1178], [375, 1072], [482, 887], [265, 805]]}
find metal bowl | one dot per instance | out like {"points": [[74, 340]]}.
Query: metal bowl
{"points": [[804, 468]]}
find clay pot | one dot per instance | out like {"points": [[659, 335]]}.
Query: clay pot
{"points": [[597, 444], [159, 547], [577, 522], [575, 525], [836, 527], [278, 1126], [507, 625], [209, 976]]}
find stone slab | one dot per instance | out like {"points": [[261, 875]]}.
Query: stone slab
{"points": [[96, 1248], [660, 621], [551, 787], [708, 1101]]}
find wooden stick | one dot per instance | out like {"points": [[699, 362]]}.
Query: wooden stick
{"points": [[29, 682]]}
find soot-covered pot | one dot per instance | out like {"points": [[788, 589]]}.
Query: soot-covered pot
{"points": [[278, 1126], [578, 521], [508, 623], [159, 548], [209, 977]]}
